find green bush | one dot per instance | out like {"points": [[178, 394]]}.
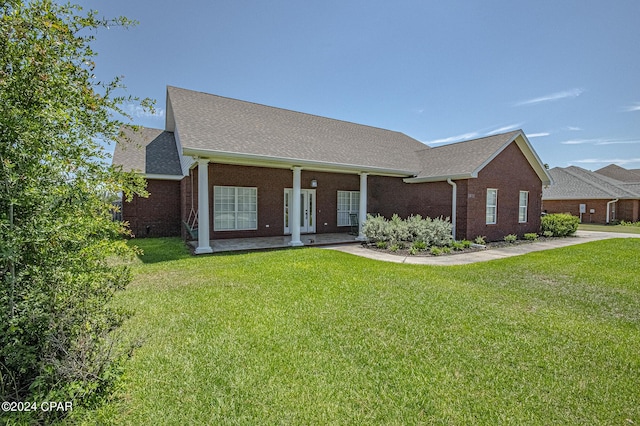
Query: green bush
{"points": [[480, 240], [381, 244], [560, 224], [531, 236], [458, 245], [419, 245], [436, 251], [511, 238], [625, 223], [376, 229], [466, 243], [397, 231]]}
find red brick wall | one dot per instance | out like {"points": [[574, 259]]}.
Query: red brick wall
{"points": [[159, 214], [509, 173], [271, 184], [621, 210]]}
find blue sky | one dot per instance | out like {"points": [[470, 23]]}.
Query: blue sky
{"points": [[566, 72]]}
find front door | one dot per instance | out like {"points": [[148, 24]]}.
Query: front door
{"points": [[307, 210]]}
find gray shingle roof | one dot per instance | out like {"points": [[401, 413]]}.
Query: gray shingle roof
{"points": [[462, 158], [150, 151], [619, 173], [213, 123], [577, 183]]}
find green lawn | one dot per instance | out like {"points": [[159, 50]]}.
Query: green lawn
{"points": [[312, 336], [610, 228]]}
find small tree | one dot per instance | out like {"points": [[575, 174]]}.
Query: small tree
{"points": [[59, 248]]}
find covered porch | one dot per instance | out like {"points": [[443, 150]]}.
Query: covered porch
{"points": [[265, 243]]}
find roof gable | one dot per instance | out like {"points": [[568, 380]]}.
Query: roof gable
{"points": [[464, 160], [619, 173]]}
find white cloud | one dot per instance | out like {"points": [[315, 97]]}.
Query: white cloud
{"points": [[538, 135], [139, 112], [574, 128], [618, 161], [457, 138], [635, 107], [504, 129], [600, 141], [573, 93]]}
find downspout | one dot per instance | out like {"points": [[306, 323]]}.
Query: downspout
{"points": [[454, 195], [609, 207]]}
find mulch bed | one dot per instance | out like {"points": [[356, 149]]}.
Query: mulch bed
{"points": [[473, 248]]}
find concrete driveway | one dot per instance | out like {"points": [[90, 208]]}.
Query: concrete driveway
{"points": [[484, 255]]}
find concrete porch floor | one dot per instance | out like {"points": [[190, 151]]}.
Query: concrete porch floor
{"points": [[262, 243]]}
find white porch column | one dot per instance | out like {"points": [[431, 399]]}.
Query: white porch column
{"points": [[362, 214], [203, 207], [294, 214]]}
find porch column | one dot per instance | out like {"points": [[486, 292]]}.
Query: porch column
{"points": [[294, 214], [203, 207], [362, 214]]}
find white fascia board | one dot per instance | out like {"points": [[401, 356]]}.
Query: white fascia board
{"points": [[152, 176], [287, 163]]}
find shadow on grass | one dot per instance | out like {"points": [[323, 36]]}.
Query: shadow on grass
{"points": [[156, 250]]}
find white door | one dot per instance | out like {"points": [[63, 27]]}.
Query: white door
{"points": [[307, 210]]}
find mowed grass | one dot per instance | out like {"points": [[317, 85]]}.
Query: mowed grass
{"points": [[610, 228], [312, 336]]}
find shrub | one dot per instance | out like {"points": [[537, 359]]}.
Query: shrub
{"points": [[419, 245], [398, 229], [625, 223], [413, 251], [381, 244], [511, 238], [394, 247], [441, 232], [436, 251], [458, 245], [531, 236], [547, 234], [480, 240], [446, 249], [466, 243], [376, 228], [560, 224]]}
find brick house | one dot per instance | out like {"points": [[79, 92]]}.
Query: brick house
{"points": [[595, 197], [251, 170]]}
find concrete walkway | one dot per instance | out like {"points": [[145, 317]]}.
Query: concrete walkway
{"points": [[483, 255]]}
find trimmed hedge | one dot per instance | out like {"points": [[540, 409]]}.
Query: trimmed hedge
{"points": [[432, 232], [559, 224]]}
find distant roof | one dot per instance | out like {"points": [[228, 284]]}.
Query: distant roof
{"points": [[620, 173], [572, 183], [208, 122], [148, 151]]}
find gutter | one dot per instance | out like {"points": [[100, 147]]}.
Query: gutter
{"points": [[609, 207], [454, 195]]}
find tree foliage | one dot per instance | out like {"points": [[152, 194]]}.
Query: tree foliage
{"points": [[59, 248]]}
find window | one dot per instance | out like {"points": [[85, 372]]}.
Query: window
{"points": [[348, 203], [522, 206], [235, 208], [492, 206]]}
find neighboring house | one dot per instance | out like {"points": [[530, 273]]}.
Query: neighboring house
{"points": [[252, 170], [596, 197]]}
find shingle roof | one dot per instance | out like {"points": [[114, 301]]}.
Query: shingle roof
{"points": [[577, 183], [150, 151], [214, 123], [619, 173], [462, 158]]}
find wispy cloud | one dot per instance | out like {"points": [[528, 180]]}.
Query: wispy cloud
{"points": [[574, 128], [634, 107], [618, 161], [139, 112], [600, 141], [573, 93], [504, 129], [537, 135], [457, 138]]}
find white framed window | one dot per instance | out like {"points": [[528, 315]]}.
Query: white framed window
{"points": [[235, 208], [348, 203], [492, 206], [523, 206]]}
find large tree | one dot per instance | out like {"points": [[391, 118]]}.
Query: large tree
{"points": [[59, 248]]}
